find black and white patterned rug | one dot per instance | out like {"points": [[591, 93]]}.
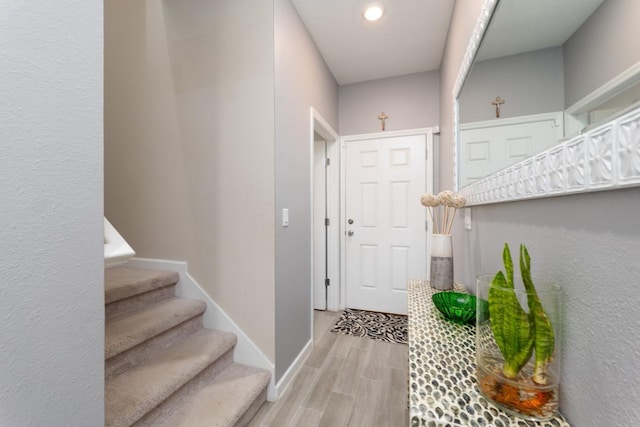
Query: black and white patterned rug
{"points": [[372, 324]]}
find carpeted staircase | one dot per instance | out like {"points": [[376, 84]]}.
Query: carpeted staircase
{"points": [[162, 368]]}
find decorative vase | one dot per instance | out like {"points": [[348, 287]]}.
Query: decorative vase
{"points": [[533, 391], [441, 274]]}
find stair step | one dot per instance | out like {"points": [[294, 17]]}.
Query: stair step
{"points": [[131, 395], [129, 289], [123, 282], [124, 333], [119, 363], [231, 399]]}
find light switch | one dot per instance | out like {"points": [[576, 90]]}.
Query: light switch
{"points": [[285, 217], [467, 218]]}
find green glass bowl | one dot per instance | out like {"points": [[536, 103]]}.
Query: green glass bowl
{"points": [[458, 307]]}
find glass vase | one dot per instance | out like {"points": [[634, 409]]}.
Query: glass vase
{"points": [[532, 391], [441, 274]]}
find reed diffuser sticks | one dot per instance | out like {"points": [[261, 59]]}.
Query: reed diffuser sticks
{"points": [[450, 202]]}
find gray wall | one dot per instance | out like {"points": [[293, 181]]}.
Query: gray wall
{"points": [[530, 83], [588, 243], [410, 101], [534, 82], [189, 147], [206, 142], [606, 45], [51, 227], [302, 81]]}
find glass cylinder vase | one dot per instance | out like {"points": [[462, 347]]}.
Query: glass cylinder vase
{"points": [[441, 274], [518, 368]]}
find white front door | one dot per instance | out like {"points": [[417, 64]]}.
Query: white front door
{"points": [[385, 222]]}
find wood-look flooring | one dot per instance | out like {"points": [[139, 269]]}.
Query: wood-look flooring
{"points": [[346, 381]]}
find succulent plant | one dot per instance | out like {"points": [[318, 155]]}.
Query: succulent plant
{"points": [[518, 333], [540, 323]]}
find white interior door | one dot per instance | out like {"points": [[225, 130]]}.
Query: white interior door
{"points": [[319, 227], [385, 222], [486, 147]]}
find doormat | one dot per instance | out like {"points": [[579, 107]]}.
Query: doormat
{"points": [[372, 324]]}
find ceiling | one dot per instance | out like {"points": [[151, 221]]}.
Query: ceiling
{"points": [[523, 26], [411, 35], [409, 38]]}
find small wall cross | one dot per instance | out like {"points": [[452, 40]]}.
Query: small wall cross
{"points": [[383, 117], [497, 102]]}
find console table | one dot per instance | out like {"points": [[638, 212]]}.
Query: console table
{"points": [[442, 384]]}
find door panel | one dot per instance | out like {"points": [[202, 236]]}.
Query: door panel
{"points": [[487, 147], [386, 242]]}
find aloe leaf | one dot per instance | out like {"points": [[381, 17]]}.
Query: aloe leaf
{"points": [[544, 340], [509, 322], [508, 265]]}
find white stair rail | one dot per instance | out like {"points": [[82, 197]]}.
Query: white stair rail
{"points": [[116, 250]]}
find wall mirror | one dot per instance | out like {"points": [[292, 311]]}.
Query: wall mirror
{"points": [[545, 83]]}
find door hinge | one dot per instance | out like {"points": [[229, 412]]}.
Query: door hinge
{"points": [[327, 222], [426, 225], [426, 153], [327, 162], [327, 282]]}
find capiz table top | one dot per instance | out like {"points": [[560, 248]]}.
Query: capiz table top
{"points": [[442, 380]]}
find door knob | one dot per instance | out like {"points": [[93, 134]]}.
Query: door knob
{"points": [[350, 233]]}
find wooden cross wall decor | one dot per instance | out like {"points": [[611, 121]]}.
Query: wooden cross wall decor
{"points": [[383, 117], [497, 102]]}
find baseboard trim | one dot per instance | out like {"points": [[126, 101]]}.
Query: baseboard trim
{"points": [[284, 382], [246, 351]]}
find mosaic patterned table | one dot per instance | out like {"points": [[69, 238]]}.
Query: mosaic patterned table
{"points": [[442, 384]]}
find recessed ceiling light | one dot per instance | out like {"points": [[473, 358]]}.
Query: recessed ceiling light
{"points": [[373, 12]]}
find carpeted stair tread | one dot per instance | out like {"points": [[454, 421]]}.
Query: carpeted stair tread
{"points": [[132, 394], [223, 402], [126, 332], [123, 282]]}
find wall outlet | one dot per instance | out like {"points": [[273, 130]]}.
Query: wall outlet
{"points": [[285, 217], [467, 218]]}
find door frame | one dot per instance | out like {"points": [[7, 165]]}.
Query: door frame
{"points": [[429, 176], [320, 126]]}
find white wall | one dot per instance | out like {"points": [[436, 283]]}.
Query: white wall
{"points": [[189, 150], [589, 244], [51, 227], [411, 101], [302, 81]]}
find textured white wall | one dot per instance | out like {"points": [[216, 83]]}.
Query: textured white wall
{"points": [[51, 227], [410, 101], [589, 244]]}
